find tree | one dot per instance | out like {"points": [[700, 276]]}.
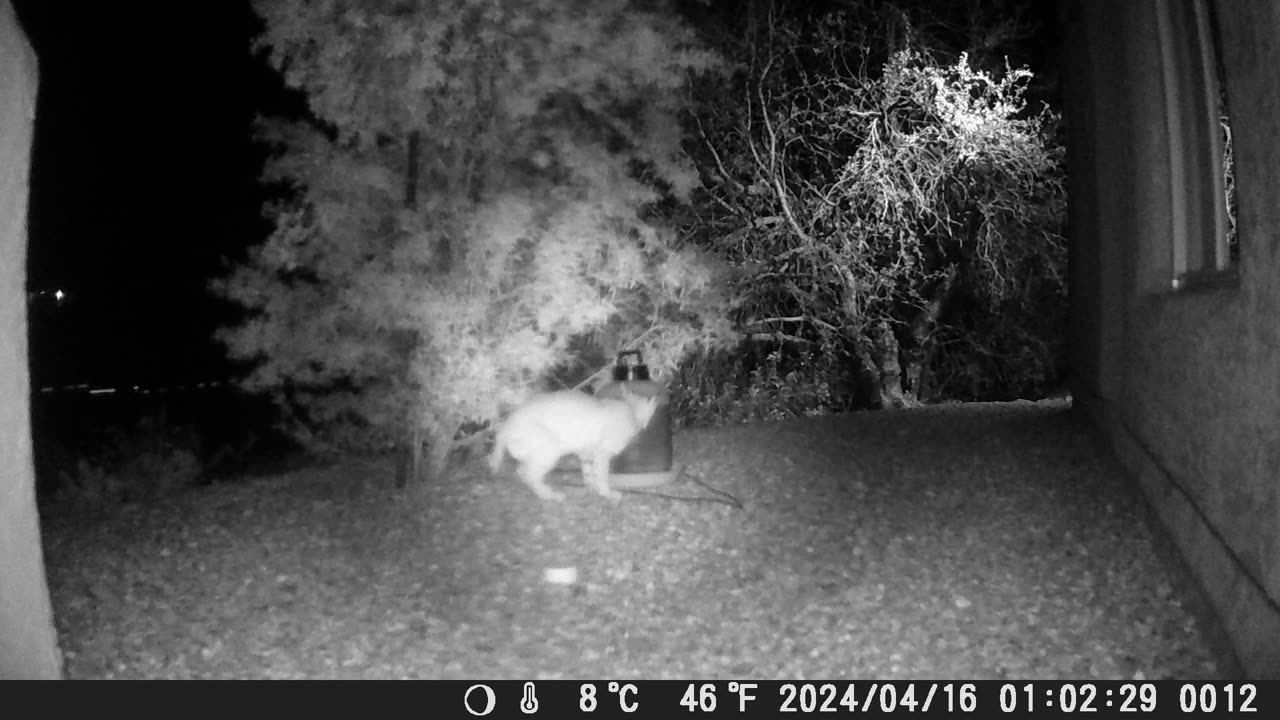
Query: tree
{"points": [[468, 211], [880, 194]]}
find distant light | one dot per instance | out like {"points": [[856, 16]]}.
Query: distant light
{"points": [[59, 295]]}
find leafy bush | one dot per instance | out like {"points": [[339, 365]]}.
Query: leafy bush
{"points": [[468, 212], [147, 460], [760, 381]]}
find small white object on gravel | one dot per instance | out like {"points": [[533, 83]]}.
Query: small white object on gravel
{"points": [[561, 575]]}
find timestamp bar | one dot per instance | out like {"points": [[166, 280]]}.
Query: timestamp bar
{"points": [[506, 699], [766, 698]]}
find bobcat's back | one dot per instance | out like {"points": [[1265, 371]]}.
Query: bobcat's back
{"points": [[570, 422]]}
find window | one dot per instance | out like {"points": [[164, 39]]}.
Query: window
{"points": [[1204, 240], [1228, 150]]}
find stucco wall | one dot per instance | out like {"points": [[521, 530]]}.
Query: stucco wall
{"points": [[27, 644], [1186, 384]]}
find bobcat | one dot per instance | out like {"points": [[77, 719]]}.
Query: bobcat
{"points": [[551, 425]]}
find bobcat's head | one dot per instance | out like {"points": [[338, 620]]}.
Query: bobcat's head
{"points": [[642, 408]]}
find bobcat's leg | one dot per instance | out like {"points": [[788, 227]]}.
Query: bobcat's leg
{"points": [[598, 478], [534, 474]]}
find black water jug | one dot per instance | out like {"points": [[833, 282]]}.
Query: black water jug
{"points": [[650, 451]]}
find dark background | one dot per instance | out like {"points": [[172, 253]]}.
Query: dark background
{"points": [[143, 181]]}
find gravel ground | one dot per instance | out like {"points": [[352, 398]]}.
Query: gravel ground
{"points": [[956, 542]]}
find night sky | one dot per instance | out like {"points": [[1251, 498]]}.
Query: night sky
{"points": [[143, 179]]}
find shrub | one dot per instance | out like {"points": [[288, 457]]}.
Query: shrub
{"points": [[144, 461]]}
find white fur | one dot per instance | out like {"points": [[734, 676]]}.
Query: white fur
{"points": [[551, 425]]}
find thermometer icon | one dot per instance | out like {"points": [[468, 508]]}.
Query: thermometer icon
{"points": [[529, 703]]}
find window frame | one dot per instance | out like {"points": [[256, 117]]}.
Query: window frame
{"points": [[1199, 213]]}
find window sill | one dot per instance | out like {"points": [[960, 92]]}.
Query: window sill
{"points": [[1204, 280]]}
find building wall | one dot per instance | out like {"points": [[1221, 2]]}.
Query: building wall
{"points": [[1184, 383], [27, 644]]}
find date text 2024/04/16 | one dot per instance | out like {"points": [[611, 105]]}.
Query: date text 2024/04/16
{"points": [[770, 698]]}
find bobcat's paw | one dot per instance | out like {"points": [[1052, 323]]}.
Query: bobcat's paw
{"points": [[545, 493], [609, 493]]}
